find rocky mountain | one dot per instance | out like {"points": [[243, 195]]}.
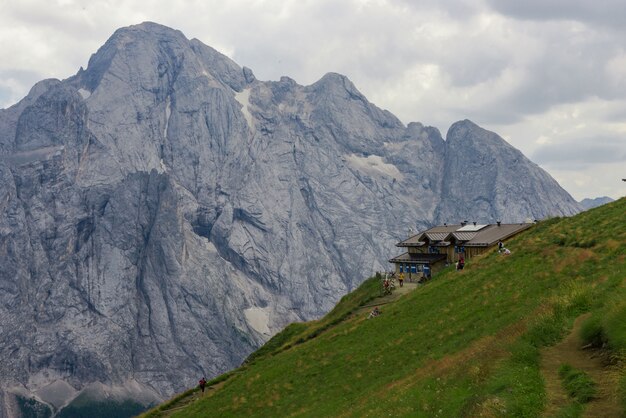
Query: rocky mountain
{"points": [[484, 178], [589, 203], [164, 212]]}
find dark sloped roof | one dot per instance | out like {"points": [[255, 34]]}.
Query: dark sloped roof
{"points": [[443, 228], [463, 236], [436, 236], [437, 233], [494, 233], [418, 258], [487, 235], [413, 241]]}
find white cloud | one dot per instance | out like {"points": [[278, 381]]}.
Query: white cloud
{"points": [[604, 13]]}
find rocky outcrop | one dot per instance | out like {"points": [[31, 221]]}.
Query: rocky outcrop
{"points": [[589, 203], [164, 212], [487, 179]]}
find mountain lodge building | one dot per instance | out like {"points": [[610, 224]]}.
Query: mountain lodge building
{"points": [[437, 247]]}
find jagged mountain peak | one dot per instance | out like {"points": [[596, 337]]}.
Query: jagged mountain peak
{"points": [[463, 124], [467, 137], [417, 129], [467, 133], [149, 52], [337, 99], [151, 28], [590, 203], [484, 173], [337, 85], [145, 31], [335, 79], [134, 42]]}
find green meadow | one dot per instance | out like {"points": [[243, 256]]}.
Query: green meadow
{"points": [[467, 343]]}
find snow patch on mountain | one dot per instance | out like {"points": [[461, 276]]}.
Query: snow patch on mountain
{"points": [[243, 97], [85, 94], [258, 319], [373, 165], [168, 114]]}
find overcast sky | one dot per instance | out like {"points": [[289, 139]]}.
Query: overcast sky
{"points": [[547, 75]]}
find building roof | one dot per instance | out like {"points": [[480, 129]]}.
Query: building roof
{"points": [[470, 235], [418, 258], [494, 233], [471, 228], [443, 228], [437, 233], [436, 236], [463, 236], [413, 241]]}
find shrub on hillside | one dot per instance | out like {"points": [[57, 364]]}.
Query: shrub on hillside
{"points": [[615, 328], [577, 383], [592, 332], [571, 410], [547, 330]]}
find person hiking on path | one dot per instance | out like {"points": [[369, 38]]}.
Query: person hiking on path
{"points": [[401, 279], [202, 384], [386, 286]]}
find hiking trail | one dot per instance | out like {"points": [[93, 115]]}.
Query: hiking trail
{"points": [[395, 294], [591, 361], [379, 301]]}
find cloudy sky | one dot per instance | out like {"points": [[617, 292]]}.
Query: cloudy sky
{"points": [[547, 75]]}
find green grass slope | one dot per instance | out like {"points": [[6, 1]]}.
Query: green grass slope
{"points": [[467, 343]]}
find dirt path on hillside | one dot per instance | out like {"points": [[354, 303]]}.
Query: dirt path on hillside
{"points": [[379, 301], [395, 294], [182, 403], [570, 351]]}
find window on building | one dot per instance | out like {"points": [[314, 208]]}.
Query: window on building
{"points": [[426, 270]]}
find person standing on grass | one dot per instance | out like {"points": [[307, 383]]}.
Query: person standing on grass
{"points": [[461, 263], [202, 384], [401, 279]]}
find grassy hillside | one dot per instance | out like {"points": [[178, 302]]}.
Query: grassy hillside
{"points": [[468, 343]]}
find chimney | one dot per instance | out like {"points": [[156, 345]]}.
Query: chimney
{"points": [[498, 223]]}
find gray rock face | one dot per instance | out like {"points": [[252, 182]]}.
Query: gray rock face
{"points": [[486, 179], [164, 212], [589, 203]]}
